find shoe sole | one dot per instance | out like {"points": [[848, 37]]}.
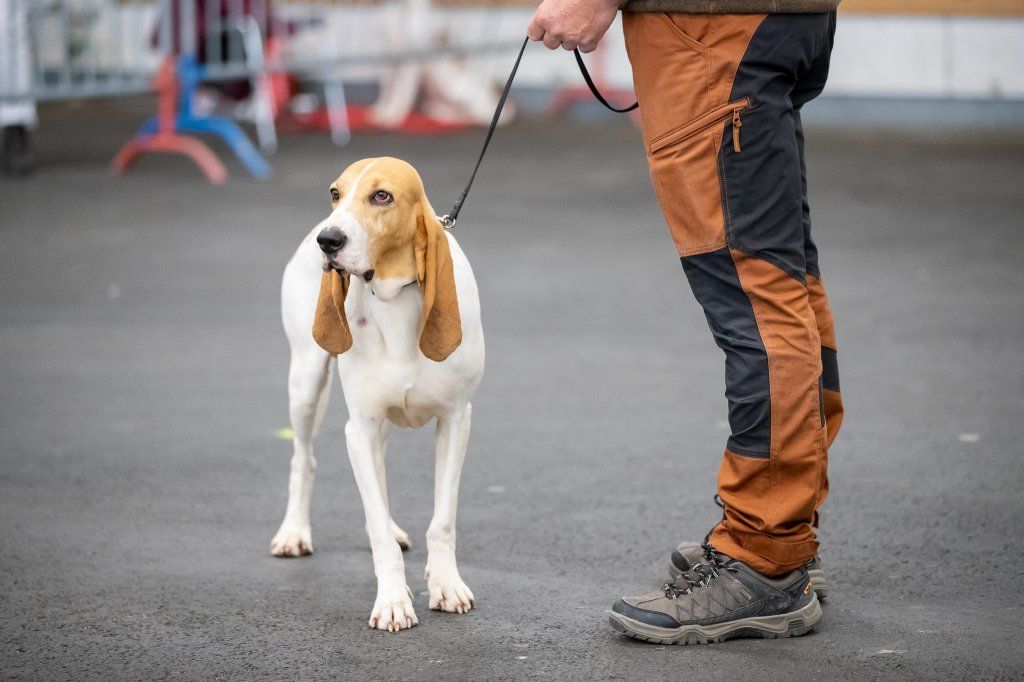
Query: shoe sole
{"points": [[793, 624], [817, 576]]}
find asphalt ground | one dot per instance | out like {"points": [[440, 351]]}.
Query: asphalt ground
{"points": [[142, 387]]}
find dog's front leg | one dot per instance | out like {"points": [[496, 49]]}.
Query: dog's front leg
{"points": [[393, 609], [400, 535], [447, 591], [309, 386]]}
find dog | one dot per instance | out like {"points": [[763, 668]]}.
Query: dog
{"points": [[380, 288]]}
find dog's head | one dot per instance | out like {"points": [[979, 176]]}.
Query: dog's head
{"points": [[382, 230]]}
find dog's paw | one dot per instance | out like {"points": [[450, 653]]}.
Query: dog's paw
{"points": [[393, 611], [292, 540], [448, 592]]}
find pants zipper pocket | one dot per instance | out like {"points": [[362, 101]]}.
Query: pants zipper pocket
{"points": [[702, 123], [736, 125]]}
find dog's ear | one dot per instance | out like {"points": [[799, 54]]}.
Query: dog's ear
{"points": [[441, 326], [330, 326]]}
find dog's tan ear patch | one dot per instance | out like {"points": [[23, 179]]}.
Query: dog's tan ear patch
{"points": [[441, 326], [330, 327]]}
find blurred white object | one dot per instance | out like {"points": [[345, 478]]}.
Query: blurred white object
{"points": [[16, 65], [453, 90]]}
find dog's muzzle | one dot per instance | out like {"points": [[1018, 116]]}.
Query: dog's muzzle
{"points": [[331, 240]]}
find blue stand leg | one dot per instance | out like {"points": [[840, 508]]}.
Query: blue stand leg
{"points": [[190, 74], [235, 138]]}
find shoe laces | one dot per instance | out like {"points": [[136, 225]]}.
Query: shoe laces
{"points": [[700, 576]]}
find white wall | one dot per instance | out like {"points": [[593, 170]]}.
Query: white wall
{"points": [[929, 57], [887, 56]]}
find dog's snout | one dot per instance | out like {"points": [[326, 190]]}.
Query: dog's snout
{"points": [[331, 240]]}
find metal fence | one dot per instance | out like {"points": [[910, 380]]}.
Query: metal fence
{"points": [[188, 50], [68, 49]]}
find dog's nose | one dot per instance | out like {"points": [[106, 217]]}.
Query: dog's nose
{"points": [[331, 240]]}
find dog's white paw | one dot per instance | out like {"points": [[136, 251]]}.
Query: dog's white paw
{"points": [[448, 592], [292, 540], [393, 610]]}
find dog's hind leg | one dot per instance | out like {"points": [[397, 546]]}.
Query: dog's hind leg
{"points": [[379, 456], [447, 590], [309, 387], [393, 608]]}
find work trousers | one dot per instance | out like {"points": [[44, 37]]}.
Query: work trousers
{"points": [[720, 99]]}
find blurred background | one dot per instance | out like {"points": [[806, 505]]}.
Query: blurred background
{"points": [[161, 160], [349, 66]]}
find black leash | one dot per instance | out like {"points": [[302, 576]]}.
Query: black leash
{"points": [[448, 219], [593, 88]]}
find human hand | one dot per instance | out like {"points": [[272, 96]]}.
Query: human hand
{"points": [[572, 23]]}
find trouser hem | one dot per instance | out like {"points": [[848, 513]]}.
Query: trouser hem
{"points": [[764, 553]]}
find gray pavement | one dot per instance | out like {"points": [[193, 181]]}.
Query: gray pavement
{"points": [[142, 380]]}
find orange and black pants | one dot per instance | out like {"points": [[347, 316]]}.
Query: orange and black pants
{"points": [[720, 99]]}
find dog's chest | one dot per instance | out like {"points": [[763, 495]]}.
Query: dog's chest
{"points": [[384, 373], [407, 394]]}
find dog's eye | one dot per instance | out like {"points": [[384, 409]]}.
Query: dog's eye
{"points": [[335, 194], [381, 198]]}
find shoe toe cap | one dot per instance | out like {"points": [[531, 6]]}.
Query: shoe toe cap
{"points": [[657, 618]]}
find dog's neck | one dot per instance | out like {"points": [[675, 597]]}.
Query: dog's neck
{"points": [[385, 288], [385, 316]]}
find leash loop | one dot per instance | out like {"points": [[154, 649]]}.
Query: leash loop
{"points": [[593, 88], [449, 219]]}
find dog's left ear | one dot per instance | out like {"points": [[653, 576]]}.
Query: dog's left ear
{"points": [[330, 326], [441, 326]]}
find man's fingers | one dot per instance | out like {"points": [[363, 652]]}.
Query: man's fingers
{"points": [[569, 45], [552, 41], [534, 31], [586, 48]]}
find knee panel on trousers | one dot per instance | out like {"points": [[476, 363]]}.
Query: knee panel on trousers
{"points": [[716, 285]]}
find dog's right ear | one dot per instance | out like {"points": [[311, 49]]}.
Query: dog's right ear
{"points": [[441, 326], [330, 326]]}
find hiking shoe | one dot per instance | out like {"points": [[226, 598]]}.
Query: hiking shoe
{"points": [[816, 572], [689, 554], [717, 600]]}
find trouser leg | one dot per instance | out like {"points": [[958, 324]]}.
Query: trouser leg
{"points": [[720, 129], [831, 397], [809, 86]]}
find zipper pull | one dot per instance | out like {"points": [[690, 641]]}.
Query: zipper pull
{"points": [[736, 125]]}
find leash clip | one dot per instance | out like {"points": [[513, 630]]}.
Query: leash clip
{"points": [[447, 222]]}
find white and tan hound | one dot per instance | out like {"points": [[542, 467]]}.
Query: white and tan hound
{"points": [[381, 286]]}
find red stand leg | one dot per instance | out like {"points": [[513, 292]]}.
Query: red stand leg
{"points": [[166, 139]]}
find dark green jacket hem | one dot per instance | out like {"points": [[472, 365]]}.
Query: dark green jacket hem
{"points": [[730, 6]]}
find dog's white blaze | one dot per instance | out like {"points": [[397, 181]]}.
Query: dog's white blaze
{"points": [[353, 257], [347, 201]]}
